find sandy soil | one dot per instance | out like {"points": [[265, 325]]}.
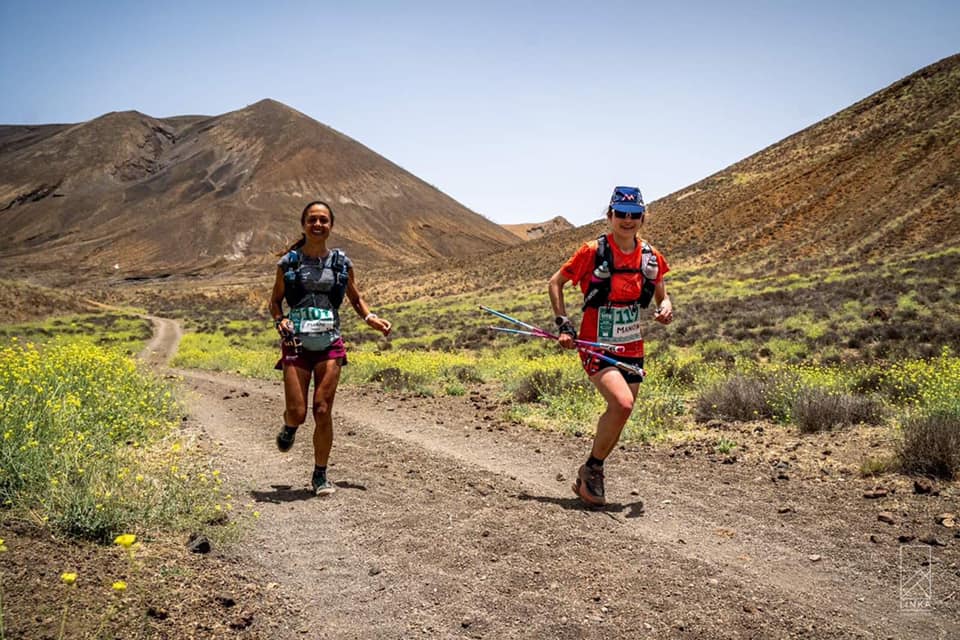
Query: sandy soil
{"points": [[449, 523]]}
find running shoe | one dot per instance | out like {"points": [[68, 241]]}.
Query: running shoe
{"points": [[321, 485], [285, 438], [589, 485]]}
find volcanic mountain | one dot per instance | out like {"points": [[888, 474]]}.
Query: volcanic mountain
{"points": [[878, 180], [534, 230], [212, 194]]}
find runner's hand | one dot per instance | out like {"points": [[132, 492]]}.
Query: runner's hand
{"points": [[381, 325], [664, 313], [566, 341], [285, 328]]}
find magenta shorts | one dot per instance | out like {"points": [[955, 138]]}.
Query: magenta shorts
{"points": [[309, 359]]}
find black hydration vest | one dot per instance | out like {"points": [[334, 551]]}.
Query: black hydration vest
{"points": [[598, 291], [333, 286]]}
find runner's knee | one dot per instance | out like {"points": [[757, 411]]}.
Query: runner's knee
{"points": [[295, 416], [621, 407], [321, 408]]}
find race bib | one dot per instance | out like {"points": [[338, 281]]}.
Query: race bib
{"points": [[312, 320], [618, 325]]}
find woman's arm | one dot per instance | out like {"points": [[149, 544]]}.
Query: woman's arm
{"points": [[358, 304], [555, 289], [276, 305]]}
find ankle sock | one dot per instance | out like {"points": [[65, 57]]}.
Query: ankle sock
{"points": [[594, 462]]}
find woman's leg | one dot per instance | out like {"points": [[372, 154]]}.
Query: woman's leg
{"points": [[620, 397], [327, 376], [296, 381]]}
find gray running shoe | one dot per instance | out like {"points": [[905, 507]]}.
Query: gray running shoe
{"points": [[589, 486], [321, 485]]}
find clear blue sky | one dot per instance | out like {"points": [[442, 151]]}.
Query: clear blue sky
{"points": [[520, 110]]}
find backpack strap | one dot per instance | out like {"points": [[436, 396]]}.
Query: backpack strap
{"points": [[293, 260], [293, 287], [605, 254]]}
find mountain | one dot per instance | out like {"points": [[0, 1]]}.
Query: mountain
{"points": [[211, 194], [534, 230], [878, 180]]}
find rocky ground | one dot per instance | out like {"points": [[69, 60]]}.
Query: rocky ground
{"points": [[451, 523]]}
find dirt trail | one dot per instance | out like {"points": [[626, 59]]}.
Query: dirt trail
{"points": [[450, 524]]}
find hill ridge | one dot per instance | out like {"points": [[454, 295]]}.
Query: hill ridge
{"points": [[177, 194]]}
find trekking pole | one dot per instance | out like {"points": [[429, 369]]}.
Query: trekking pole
{"points": [[542, 334], [537, 332], [629, 368]]}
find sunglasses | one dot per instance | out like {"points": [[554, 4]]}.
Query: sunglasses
{"points": [[627, 214]]}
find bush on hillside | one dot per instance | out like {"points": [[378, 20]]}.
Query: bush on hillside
{"points": [[930, 444], [736, 398], [815, 409]]}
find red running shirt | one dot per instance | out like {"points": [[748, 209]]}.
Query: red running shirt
{"points": [[624, 287]]}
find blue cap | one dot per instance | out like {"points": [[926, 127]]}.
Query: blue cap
{"points": [[628, 200]]}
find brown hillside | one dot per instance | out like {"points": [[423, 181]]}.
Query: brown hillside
{"points": [[534, 230], [880, 178], [215, 193]]}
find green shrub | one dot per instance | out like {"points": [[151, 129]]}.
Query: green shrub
{"points": [[397, 379], [539, 384], [816, 409], [90, 445], [736, 398], [930, 443]]}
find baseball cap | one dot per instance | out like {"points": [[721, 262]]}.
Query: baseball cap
{"points": [[628, 200]]}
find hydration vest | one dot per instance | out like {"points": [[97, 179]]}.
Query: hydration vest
{"points": [[334, 286], [598, 291]]}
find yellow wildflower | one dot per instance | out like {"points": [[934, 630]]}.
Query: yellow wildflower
{"points": [[119, 585], [68, 578], [3, 547], [126, 540]]}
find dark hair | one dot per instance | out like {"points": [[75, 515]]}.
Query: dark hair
{"points": [[303, 215], [303, 219]]}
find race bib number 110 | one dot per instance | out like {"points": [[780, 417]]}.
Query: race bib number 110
{"points": [[618, 325]]}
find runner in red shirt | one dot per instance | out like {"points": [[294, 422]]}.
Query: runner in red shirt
{"points": [[614, 296]]}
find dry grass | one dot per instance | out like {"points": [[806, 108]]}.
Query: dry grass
{"points": [[736, 398], [931, 444], [815, 409]]}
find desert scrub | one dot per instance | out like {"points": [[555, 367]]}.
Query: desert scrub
{"points": [[930, 384], [411, 370], [253, 355], [930, 442], [739, 397], [817, 409], [89, 444], [125, 331]]}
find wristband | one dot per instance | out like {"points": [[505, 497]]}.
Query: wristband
{"points": [[565, 326], [367, 317]]}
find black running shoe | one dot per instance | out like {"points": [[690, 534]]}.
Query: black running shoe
{"points": [[285, 438]]}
